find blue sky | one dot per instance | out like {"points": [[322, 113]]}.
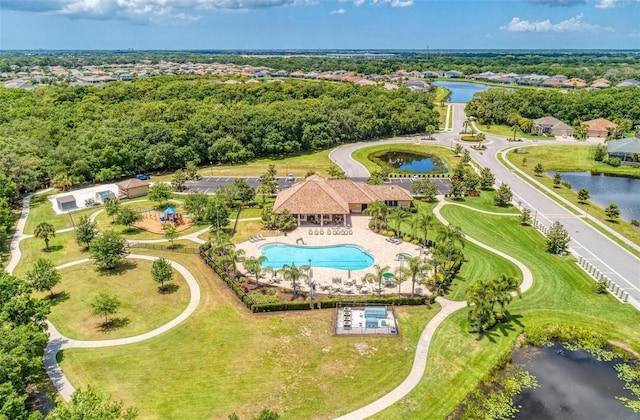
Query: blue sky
{"points": [[319, 24]]}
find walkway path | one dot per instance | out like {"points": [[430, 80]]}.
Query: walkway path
{"points": [[603, 253], [422, 349], [58, 342]]}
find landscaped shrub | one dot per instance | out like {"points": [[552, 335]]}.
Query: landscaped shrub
{"points": [[407, 238], [383, 232], [390, 233], [405, 301], [614, 161], [415, 242], [282, 306], [635, 222], [566, 184]]}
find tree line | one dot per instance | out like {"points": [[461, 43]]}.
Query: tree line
{"points": [[520, 106], [87, 133]]}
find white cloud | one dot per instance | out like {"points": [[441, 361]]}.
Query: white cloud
{"points": [[141, 10], [606, 4], [356, 3], [575, 24], [394, 3], [338, 12]]}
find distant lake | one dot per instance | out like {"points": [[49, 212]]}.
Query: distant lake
{"points": [[604, 190], [462, 91]]}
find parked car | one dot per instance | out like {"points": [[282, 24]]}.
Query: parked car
{"points": [[143, 177], [291, 178]]}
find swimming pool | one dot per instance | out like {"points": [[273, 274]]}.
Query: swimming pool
{"points": [[342, 257]]}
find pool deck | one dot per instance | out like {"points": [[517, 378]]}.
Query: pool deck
{"points": [[382, 251]]}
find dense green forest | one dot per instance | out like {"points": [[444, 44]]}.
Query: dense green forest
{"points": [[98, 134], [589, 65], [501, 106]]}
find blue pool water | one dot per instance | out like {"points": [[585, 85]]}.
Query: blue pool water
{"points": [[343, 257]]}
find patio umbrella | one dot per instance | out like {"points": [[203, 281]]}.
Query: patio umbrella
{"points": [[388, 275], [169, 211]]}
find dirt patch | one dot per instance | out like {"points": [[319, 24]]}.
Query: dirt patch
{"points": [[364, 349]]}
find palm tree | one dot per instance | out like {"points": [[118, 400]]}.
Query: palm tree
{"points": [[437, 261], [45, 231], [504, 289], [425, 221], [416, 269], [397, 216], [254, 266], [377, 275], [378, 211], [293, 273], [233, 256], [451, 235], [481, 300], [401, 274]]}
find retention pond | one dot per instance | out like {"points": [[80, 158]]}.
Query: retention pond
{"points": [[573, 385]]}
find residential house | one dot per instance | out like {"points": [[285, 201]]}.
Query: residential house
{"points": [[628, 83], [628, 149], [280, 73], [330, 201], [600, 128], [453, 74], [550, 83], [415, 84], [574, 83], [600, 84], [552, 126]]}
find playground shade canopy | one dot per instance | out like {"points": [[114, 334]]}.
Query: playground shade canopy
{"points": [[169, 211]]}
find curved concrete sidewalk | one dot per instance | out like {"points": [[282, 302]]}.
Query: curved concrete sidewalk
{"points": [[422, 349], [58, 342]]}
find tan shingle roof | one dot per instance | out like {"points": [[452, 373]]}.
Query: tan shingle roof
{"points": [[317, 195], [600, 124], [312, 196], [131, 183]]}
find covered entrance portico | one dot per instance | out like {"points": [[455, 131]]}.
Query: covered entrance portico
{"points": [[322, 219]]}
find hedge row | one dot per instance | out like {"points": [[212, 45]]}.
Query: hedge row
{"points": [[304, 305], [332, 303]]}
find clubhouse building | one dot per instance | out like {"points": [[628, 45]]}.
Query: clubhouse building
{"points": [[322, 201]]}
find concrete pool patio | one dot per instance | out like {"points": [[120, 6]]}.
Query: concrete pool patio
{"points": [[383, 252]]}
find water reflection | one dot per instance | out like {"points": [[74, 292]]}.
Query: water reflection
{"points": [[405, 161], [623, 191], [573, 385]]}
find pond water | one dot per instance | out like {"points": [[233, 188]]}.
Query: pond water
{"points": [[573, 385], [604, 190], [405, 161], [462, 91]]}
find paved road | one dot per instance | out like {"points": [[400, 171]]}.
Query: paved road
{"points": [[607, 256]]}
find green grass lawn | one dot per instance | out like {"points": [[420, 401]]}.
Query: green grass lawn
{"points": [[561, 294], [574, 158], [507, 131], [485, 202], [361, 155], [63, 248], [224, 359], [143, 307], [479, 264], [298, 165]]}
